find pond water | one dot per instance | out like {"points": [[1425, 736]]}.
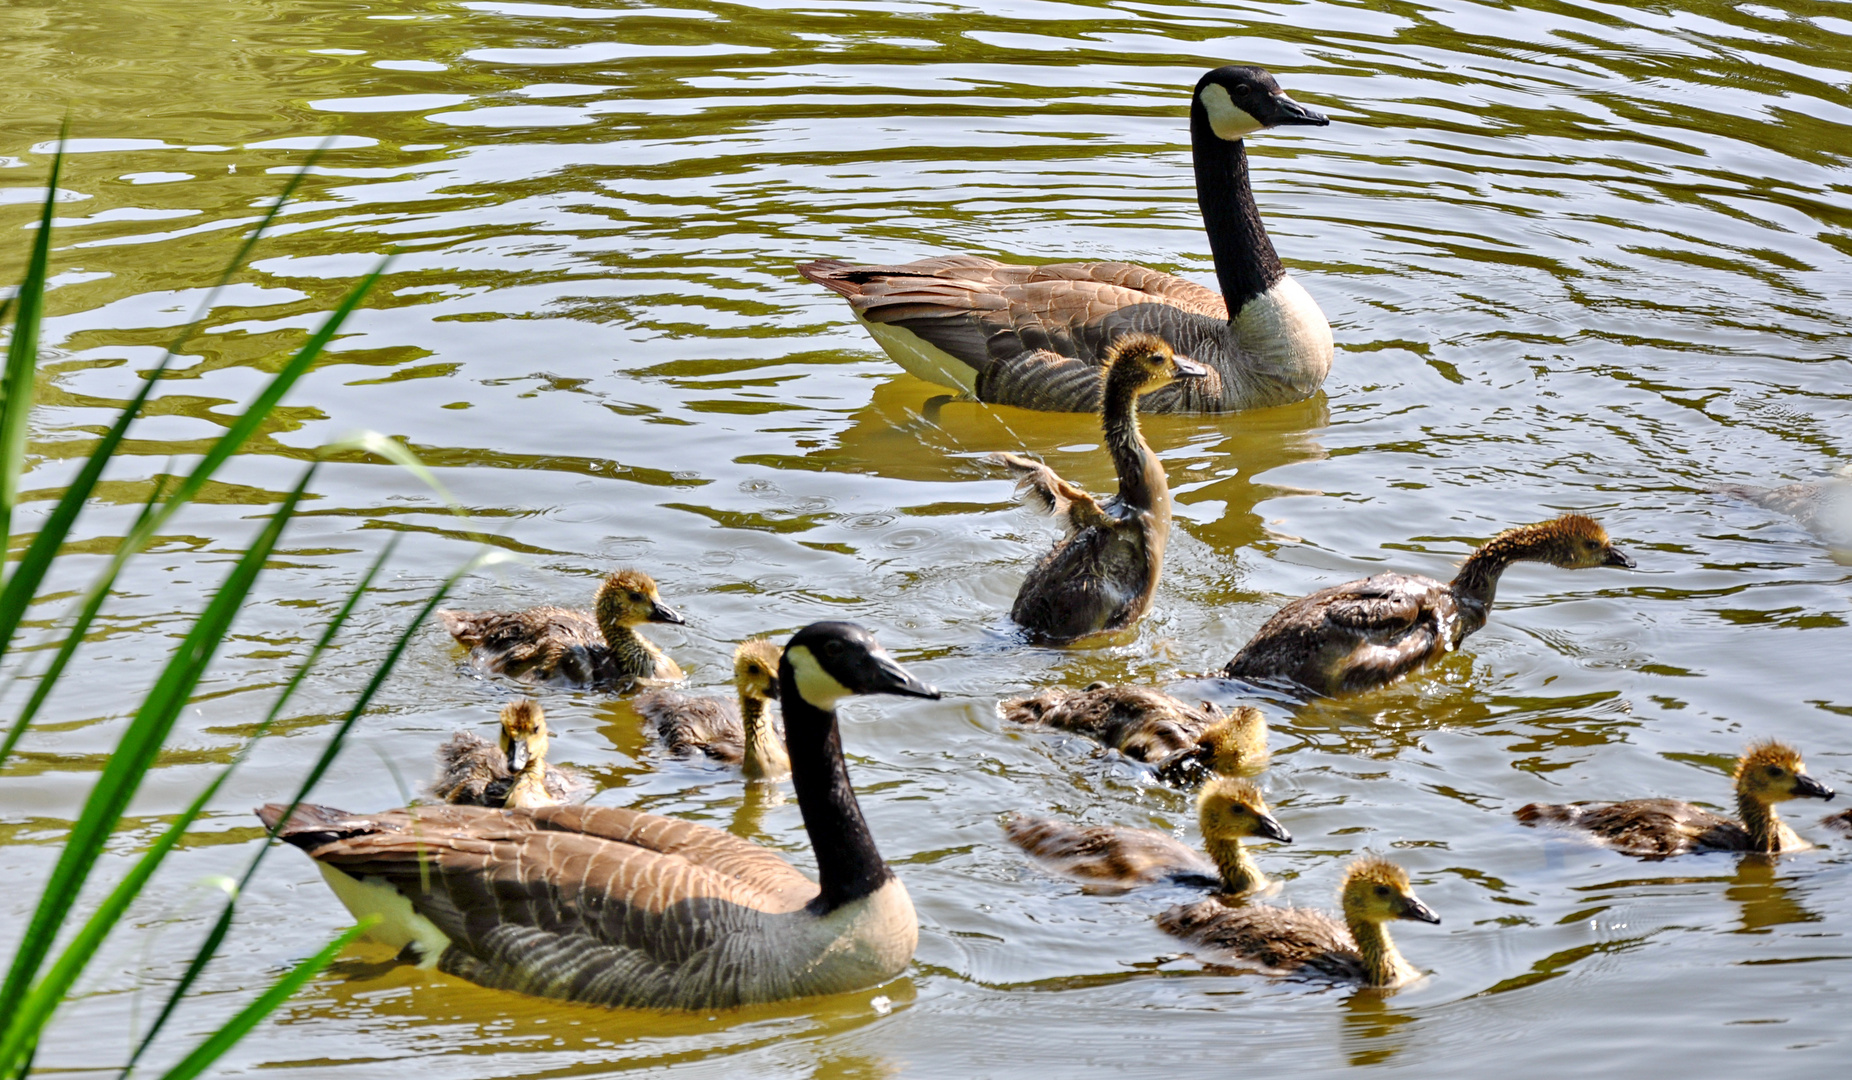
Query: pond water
{"points": [[1580, 255]]}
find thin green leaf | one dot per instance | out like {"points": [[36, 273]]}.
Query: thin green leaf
{"points": [[135, 753], [372, 442], [240, 1025], [22, 355]]}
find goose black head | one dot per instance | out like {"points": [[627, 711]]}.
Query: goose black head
{"points": [[828, 661], [1239, 101]]}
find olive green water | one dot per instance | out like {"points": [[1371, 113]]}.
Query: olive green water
{"points": [[1576, 256]]}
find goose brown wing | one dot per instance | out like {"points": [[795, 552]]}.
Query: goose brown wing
{"points": [[1096, 853], [688, 724], [1648, 828], [1052, 494], [1280, 939]]}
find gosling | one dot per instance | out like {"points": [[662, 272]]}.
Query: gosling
{"points": [[1304, 941], [1840, 822], [1768, 773], [474, 772], [574, 649], [1101, 575], [1371, 632], [1120, 858], [742, 734], [1148, 725]]}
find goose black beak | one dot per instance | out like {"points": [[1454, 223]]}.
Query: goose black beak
{"points": [[1189, 369], [517, 756], [1419, 912], [1266, 826], [661, 612], [1806, 787], [1617, 557], [1289, 111], [886, 676]]}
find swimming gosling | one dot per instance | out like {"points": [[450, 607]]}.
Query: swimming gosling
{"points": [[1227, 809], [1768, 772], [1101, 575], [474, 772], [1148, 725], [566, 647], [742, 734], [1369, 633], [1304, 941]]}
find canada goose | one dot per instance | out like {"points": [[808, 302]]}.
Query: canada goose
{"points": [[478, 773], [1037, 336], [1101, 575], [621, 908], [1842, 821], [572, 648], [1151, 726], [1823, 507], [1371, 632], [1285, 941], [740, 734], [1227, 810], [1768, 772]]}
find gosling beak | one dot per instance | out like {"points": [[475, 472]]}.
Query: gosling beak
{"points": [[1188, 368], [1617, 557], [1418, 911], [1806, 787], [661, 612], [517, 756], [1291, 112], [1265, 825], [773, 690]]}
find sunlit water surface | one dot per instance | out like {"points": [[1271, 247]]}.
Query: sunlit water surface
{"points": [[1576, 256]]}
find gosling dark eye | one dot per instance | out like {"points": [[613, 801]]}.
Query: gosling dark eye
{"points": [[1774, 770], [1382, 890], [636, 598]]}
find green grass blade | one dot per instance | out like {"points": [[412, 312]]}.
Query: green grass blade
{"points": [[22, 356], [135, 753], [240, 1025]]}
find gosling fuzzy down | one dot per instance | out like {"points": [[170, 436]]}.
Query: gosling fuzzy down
{"points": [[1304, 941], [1185, 742], [474, 772], [1768, 772], [567, 647], [744, 734]]}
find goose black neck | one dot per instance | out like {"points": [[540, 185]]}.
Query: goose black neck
{"points": [[848, 865], [1141, 480], [1245, 263]]}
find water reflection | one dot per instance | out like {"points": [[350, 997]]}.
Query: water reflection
{"points": [[1375, 1031], [1767, 900]]}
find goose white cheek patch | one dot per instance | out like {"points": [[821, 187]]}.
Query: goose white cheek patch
{"points": [[1227, 119], [815, 685]]}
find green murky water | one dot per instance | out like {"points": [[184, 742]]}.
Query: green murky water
{"points": [[1575, 255]]}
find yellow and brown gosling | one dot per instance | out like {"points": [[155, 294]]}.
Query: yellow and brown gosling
{"points": [[744, 734], [1371, 632], [1305, 941], [1840, 822], [1101, 575], [567, 647], [473, 772], [1768, 773], [1122, 858], [1151, 726]]}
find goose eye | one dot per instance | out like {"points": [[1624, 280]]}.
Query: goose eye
{"points": [[1242, 90], [636, 598], [1382, 890], [1774, 770]]}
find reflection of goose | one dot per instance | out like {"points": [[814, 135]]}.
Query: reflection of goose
{"points": [[1227, 810], [564, 646], [1151, 726], [477, 773], [1304, 941], [1823, 508], [1101, 576], [1036, 336], [616, 907], [742, 734], [1768, 773], [1371, 632]]}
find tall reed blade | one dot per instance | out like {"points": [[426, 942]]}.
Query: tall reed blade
{"points": [[22, 353]]}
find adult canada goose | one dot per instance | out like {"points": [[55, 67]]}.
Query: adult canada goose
{"points": [[1151, 726], [1287, 941], [1371, 632], [1037, 336], [1227, 809], [1768, 772], [742, 734], [621, 908], [571, 648], [1101, 575], [474, 772], [1823, 507]]}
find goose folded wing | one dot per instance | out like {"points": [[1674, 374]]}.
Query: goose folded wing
{"points": [[1374, 606]]}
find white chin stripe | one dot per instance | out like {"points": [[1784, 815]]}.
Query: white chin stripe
{"points": [[815, 685], [1227, 119]]}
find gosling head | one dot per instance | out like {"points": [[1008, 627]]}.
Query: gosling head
{"points": [[828, 661], [1575, 542], [1229, 809], [524, 733], [1377, 891], [1146, 362], [1236, 101], [1237, 741], [629, 598], [755, 669], [1772, 772]]}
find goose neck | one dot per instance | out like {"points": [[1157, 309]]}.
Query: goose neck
{"points": [[1239, 872], [1142, 484], [1478, 576], [1245, 263], [848, 865], [1761, 822], [1382, 962], [763, 757]]}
